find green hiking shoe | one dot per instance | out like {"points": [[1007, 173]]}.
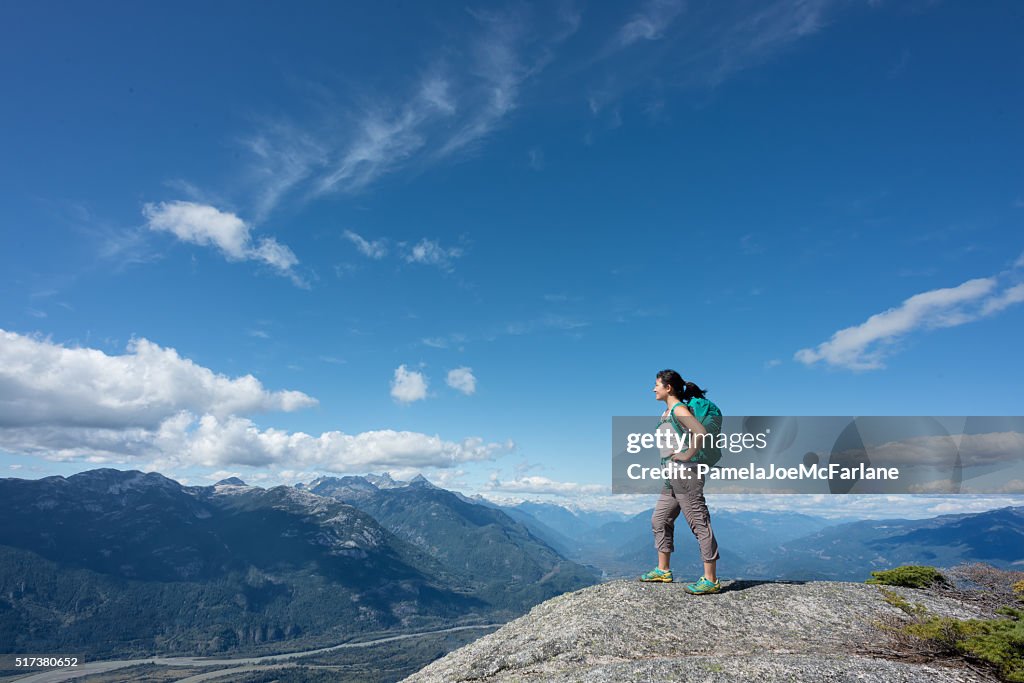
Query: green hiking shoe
{"points": [[703, 586], [657, 575]]}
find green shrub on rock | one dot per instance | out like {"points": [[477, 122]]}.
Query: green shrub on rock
{"points": [[998, 642], [909, 576]]}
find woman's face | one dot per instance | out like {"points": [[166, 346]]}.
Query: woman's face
{"points": [[660, 390]]}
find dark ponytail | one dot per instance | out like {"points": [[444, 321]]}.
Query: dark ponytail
{"points": [[681, 389], [692, 391]]}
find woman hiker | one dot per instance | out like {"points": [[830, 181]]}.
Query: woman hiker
{"points": [[684, 493]]}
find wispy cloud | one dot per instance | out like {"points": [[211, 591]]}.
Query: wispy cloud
{"points": [[283, 157], [547, 322], [544, 485], [1006, 298], [194, 193], [762, 33], [864, 346], [376, 249], [385, 140], [426, 252], [471, 87], [715, 41], [455, 339], [431, 253], [649, 23], [499, 70], [116, 246], [449, 106], [208, 226]]}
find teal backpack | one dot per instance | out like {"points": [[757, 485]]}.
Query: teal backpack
{"points": [[708, 414]]}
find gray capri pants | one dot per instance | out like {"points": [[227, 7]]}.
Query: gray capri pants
{"points": [[686, 496]]}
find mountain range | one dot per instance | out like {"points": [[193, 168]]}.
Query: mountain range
{"points": [[121, 562], [115, 563], [484, 546], [777, 545]]}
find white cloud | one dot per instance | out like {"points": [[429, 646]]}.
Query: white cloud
{"points": [[150, 405], [208, 226], [848, 507], [1010, 296], [471, 88], [974, 450], [408, 385], [549, 321], [386, 140], [499, 70], [862, 347], [49, 385], [1019, 263], [284, 156], [865, 506], [449, 479], [451, 107], [186, 440], [376, 249], [201, 224], [274, 254], [222, 474], [761, 33], [462, 379], [544, 485], [291, 477], [649, 23], [716, 41], [1010, 486], [455, 339], [431, 253]]}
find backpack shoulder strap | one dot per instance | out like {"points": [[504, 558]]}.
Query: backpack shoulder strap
{"points": [[672, 416]]}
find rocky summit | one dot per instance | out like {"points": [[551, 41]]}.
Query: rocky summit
{"points": [[751, 631]]}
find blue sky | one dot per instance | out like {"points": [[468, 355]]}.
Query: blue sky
{"points": [[256, 238]]}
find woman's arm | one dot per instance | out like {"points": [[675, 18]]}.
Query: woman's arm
{"points": [[686, 419]]}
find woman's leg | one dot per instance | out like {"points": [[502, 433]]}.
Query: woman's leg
{"points": [[691, 497], [663, 525]]}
